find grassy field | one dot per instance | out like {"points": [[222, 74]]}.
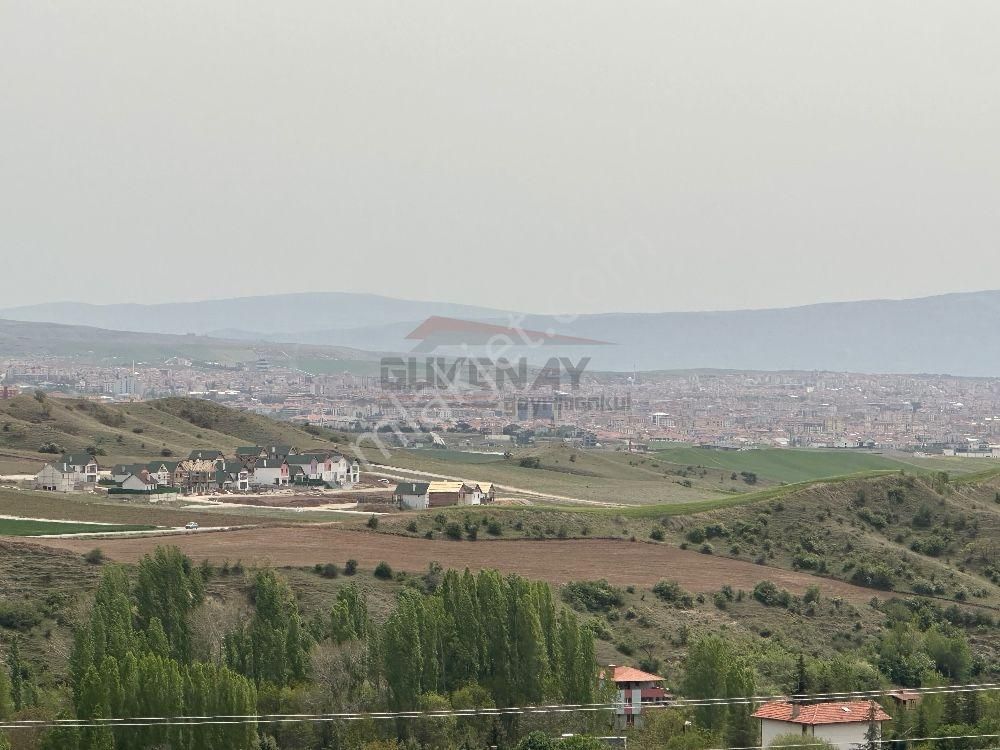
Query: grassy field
{"points": [[776, 465], [687, 477], [18, 527]]}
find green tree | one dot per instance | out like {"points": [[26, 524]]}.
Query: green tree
{"points": [[167, 589], [715, 669]]}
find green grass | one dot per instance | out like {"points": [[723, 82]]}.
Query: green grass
{"points": [[16, 527], [775, 465], [676, 480]]}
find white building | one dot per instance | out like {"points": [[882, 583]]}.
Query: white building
{"points": [[635, 690], [69, 472], [844, 724], [412, 495], [270, 472]]}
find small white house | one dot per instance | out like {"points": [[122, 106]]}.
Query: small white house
{"points": [[843, 724], [55, 478], [64, 475], [270, 472], [412, 495], [141, 482]]}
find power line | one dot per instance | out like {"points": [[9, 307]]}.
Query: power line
{"points": [[224, 719]]}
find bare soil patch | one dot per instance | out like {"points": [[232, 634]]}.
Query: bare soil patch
{"points": [[556, 561]]}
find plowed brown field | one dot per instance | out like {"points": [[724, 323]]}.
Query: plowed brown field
{"points": [[556, 561]]}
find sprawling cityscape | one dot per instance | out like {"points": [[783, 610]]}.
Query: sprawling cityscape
{"points": [[927, 413]]}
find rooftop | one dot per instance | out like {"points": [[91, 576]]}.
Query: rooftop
{"points": [[846, 712]]}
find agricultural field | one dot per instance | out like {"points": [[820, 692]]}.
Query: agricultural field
{"points": [[556, 561], [29, 527]]}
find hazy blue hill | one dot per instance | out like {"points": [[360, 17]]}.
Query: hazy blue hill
{"points": [[274, 314], [954, 333], [19, 338]]}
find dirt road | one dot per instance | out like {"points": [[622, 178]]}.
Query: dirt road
{"points": [[556, 561]]}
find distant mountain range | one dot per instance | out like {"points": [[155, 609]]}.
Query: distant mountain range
{"points": [[954, 333], [99, 345]]}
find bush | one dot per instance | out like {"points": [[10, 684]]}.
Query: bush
{"points": [[592, 596], [873, 575], [350, 567], [453, 531], [768, 594], [494, 527], [383, 570], [18, 616], [330, 571], [671, 591], [530, 462], [166, 452], [656, 534], [50, 448], [695, 536], [95, 556], [372, 521]]}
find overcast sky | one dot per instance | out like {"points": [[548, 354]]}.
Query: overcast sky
{"points": [[550, 156]]}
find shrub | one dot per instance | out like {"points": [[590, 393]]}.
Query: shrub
{"points": [[453, 531], [671, 591], [873, 575], [50, 448], [695, 536], [530, 462], [494, 527], [350, 567], [166, 452], [656, 534], [95, 556], [372, 521], [18, 615], [592, 596], [412, 527], [932, 546], [768, 594], [383, 570], [330, 571]]}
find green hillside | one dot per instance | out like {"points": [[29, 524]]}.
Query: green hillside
{"points": [[676, 475], [99, 345], [142, 430], [776, 465]]}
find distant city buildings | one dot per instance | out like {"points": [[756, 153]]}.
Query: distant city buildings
{"points": [[929, 413]]}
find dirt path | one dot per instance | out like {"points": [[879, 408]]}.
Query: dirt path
{"points": [[556, 561]]}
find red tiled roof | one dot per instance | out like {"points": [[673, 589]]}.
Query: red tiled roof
{"points": [[821, 713], [631, 674]]}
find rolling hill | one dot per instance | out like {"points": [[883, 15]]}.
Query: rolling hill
{"points": [[951, 333], [136, 431], [86, 343]]}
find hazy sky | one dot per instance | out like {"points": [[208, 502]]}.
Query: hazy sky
{"points": [[551, 156]]}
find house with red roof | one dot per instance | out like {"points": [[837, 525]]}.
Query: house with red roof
{"points": [[843, 723], [635, 690]]}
